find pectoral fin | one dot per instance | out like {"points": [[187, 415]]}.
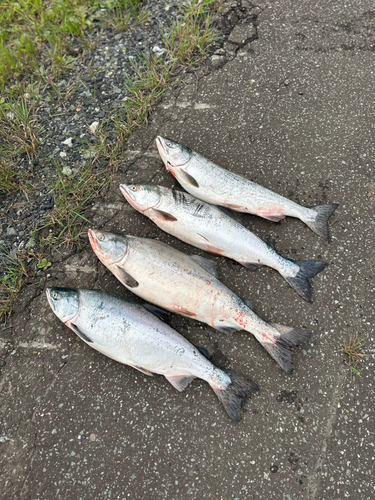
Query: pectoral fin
{"points": [[179, 382], [126, 278], [188, 178], [80, 334], [163, 216]]}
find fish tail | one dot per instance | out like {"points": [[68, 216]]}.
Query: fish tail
{"points": [[320, 224], [301, 282], [279, 343], [235, 394]]}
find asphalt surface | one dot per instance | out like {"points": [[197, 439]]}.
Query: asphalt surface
{"points": [[292, 111]]}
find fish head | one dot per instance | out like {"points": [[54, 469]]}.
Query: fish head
{"points": [[110, 248], [64, 302], [141, 197], [172, 153]]}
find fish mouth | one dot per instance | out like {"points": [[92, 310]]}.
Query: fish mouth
{"points": [[163, 153], [159, 143], [129, 196], [48, 291], [126, 192], [92, 238], [94, 242]]}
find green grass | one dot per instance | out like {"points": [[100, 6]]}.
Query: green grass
{"points": [[352, 348], [8, 178], [72, 194], [19, 130], [30, 28], [125, 13], [191, 36], [19, 134], [14, 275], [151, 81]]}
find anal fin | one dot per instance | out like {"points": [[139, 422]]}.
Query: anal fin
{"points": [[252, 266], [227, 329], [143, 370], [180, 382], [249, 304], [272, 218]]}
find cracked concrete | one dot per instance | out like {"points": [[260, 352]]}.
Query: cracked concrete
{"points": [[76, 425]]}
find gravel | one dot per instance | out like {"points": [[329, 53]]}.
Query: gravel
{"points": [[69, 126]]}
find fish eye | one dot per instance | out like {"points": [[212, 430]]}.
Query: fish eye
{"points": [[170, 144], [133, 188], [101, 237], [55, 295]]}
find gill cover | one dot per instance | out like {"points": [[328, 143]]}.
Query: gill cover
{"points": [[109, 247], [64, 302], [141, 197], [172, 152]]}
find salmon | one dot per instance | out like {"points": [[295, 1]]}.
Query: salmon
{"points": [[189, 286], [130, 334], [213, 184], [217, 230]]}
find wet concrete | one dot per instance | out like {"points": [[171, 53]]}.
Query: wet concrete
{"points": [[294, 112]]}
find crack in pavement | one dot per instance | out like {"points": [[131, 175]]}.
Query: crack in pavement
{"points": [[34, 414], [314, 477]]}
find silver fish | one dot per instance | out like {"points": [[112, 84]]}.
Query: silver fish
{"points": [[214, 230], [189, 286], [216, 185], [130, 334]]}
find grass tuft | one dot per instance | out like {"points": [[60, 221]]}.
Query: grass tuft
{"points": [[190, 37], [14, 275], [352, 349], [125, 13], [72, 194], [19, 130], [8, 178]]}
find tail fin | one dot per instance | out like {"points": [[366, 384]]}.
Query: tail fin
{"points": [[320, 224], [302, 281], [235, 394], [279, 345]]}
